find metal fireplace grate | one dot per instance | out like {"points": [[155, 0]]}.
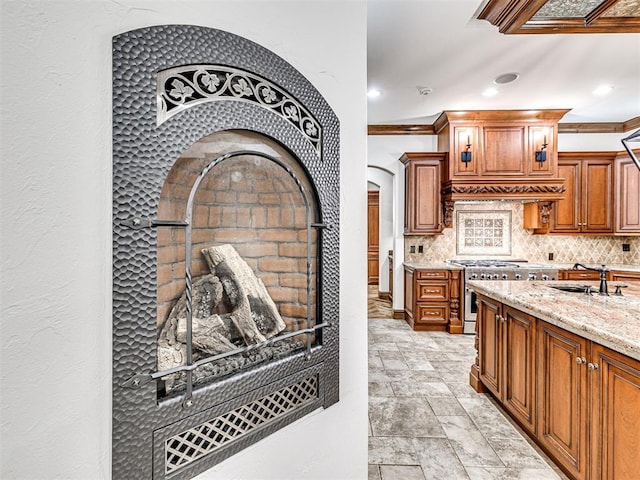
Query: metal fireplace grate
{"points": [[191, 445]]}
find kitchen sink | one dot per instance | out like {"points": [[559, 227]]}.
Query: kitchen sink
{"points": [[572, 288]]}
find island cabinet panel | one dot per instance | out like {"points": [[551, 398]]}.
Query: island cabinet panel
{"points": [[578, 275], [507, 358], [614, 416], [563, 398], [520, 366], [620, 276], [491, 347]]}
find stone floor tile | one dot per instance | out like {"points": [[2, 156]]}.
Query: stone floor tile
{"points": [[516, 453], [462, 389], [377, 346], [488, 418], [392, 451], [416, 360], [438, 459], [401, 472], [420, 389], [374, 473], [381, 375], [380, 389], [393, 360], [404, 417], [443, 406], [489, 473], [425, 376], [472, 448], [374, 360]]}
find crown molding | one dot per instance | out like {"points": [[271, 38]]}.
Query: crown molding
{"points": [[601, 127]]}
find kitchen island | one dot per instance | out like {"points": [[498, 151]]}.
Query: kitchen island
{"points": [[566, 367]]}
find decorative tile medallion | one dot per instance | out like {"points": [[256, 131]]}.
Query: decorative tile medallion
{"points": [[483, 232]]}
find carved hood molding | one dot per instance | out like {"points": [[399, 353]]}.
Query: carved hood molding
{"points": [[500, 154]]}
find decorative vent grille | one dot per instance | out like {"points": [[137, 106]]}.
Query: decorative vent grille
{"points": [[193, 444]]}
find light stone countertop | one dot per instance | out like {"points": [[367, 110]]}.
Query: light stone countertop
{"points": [[433, 265], [612, 321]]}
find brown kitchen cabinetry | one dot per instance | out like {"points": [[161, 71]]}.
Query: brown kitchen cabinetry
{"points": [[507, 358], [428, 301], [577, 399], [423, 205], [627, 194], [578, 275], [492, 155], [563, 398], [588, 204], [621, 276]]}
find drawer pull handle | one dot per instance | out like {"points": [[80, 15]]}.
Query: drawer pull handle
{"points": [[432, 313]]}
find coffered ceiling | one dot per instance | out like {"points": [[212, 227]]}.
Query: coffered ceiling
{"points": [[563, 16], [432, 55]]}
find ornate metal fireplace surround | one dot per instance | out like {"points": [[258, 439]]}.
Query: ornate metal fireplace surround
{"points": [[172, 87]]}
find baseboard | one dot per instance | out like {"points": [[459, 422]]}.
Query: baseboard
{"points": [[398, 314], [384, 296]]}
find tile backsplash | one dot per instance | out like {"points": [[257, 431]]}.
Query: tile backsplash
{"points": [[524, 245]]}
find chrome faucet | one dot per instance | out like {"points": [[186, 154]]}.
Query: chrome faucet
{"points": [[604, 289]]}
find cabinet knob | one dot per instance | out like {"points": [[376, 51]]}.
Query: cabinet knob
{"points": [[581, 360], [593, 366]]}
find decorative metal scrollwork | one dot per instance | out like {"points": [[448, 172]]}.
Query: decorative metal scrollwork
{"points": [[182, 87]]}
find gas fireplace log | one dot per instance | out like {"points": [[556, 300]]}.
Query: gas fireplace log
{"points": [[225, 262], [230, 308]]}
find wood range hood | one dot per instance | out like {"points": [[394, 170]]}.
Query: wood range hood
{"points": [[499, 155]]}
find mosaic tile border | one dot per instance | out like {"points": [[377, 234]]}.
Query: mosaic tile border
{"points": [[483, 232]]}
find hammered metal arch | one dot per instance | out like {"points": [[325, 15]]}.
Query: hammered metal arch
{"points": [[183, 87]]}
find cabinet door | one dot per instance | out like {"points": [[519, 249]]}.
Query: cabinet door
{"points": [[614, 415], [625, 277], [423, 214], [597, 196], [566, 213], [520, 366], [563, 397], [490, 349], [431, 314], [504, 151], [627, 197]]}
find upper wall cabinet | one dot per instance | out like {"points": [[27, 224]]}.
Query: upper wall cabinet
{"points": [[422, 200], [588, 206], [506, 154], [627, 193]]}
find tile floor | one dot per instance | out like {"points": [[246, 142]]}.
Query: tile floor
{"points": [[426, 422]]}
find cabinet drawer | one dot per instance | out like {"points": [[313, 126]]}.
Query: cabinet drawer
{"points": [[581, 275], [432, 274], [432, 313], [429, 291]]}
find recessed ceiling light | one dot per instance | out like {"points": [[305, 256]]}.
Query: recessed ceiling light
{"points": [[506, 78], [373, 93], [603, 90], [490, 92]]}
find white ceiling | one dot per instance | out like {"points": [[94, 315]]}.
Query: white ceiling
{"points": [[439, 44]]}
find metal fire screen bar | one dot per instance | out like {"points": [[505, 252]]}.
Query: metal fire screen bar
{"points": [[192, 444], [142, 379]]}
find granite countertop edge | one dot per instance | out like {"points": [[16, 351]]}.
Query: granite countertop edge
{"points": [[613, 322]]}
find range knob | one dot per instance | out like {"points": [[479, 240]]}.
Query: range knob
{"points": [[495, 276], [518, 276], [482, 276], [505, 276], [545, 277], [474, 276], [532, 276]]}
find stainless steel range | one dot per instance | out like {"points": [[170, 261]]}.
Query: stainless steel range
{"points": [[490, 269]]}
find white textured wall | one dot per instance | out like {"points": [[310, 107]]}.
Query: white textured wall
{"points": [[55, 278]]}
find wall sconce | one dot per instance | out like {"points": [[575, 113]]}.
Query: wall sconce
{"points": [[634, 137], [465, 155], [541, 155]]}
